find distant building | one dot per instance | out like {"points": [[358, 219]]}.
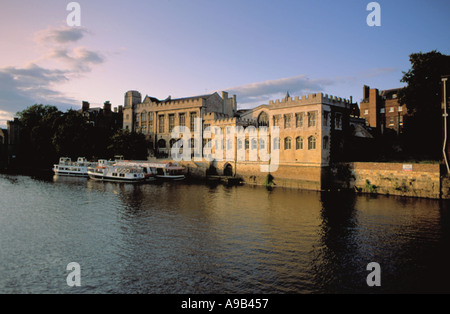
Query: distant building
{"points": [[104, 117], [3, 148], [382, 110]]}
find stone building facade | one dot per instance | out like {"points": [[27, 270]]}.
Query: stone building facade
{"points": [[157, 118], [312, 133]]}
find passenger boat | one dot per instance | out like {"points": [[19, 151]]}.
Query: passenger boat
{"points": [[157, 170], [116, 173], [67, 167]]}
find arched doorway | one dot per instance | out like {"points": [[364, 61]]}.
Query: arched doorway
{"points": [[228, 170]]}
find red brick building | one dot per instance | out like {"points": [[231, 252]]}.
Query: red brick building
{"points": [[382, 110]]}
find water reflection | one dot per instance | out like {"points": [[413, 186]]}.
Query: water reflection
{"points": [[177, 237]]}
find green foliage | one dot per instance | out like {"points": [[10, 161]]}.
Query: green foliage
{"points": [[47, 134], [423, 98], [370, 187], [269, 180], [131, 145]]}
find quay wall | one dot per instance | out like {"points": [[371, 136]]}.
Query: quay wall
{"points": [[306, 177], [411, 180]]}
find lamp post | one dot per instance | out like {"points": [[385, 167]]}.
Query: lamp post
{"points": [[445, 115]]}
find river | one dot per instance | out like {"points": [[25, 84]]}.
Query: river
{"points": [[181, 237]]}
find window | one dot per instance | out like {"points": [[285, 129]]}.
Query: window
{"points": [[311, 119], [144, 117], [391, 109], [171, 122], [254, 144], [137, 117], [391, 121], [276, 143], [400, 108], [338, 121], [229, 144], [192, 116], [263, 119], [161, 123], [239, 144], [299, 143], [382, 110], [276, 120], [299, 120], [162, 143], [311, 142], [150, 116], [325, 142], [366, 112], [325, 118], [182, 119], [262, 144], [287, 143], [287, 121]]}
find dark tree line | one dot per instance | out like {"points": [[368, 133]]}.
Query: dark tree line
{"points": [[47, 133]]}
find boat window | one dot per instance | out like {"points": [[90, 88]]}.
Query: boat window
{"points": [[160, 171]]}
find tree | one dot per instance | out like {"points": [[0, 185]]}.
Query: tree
{"points": [[71, 137], [131, 145], [422, 96], [37, 125]]}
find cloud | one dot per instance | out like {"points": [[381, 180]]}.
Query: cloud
{"points": [[22, 86], [261, 92], [81, 59], [63, 35]]}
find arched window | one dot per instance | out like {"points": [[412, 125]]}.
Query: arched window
{"points": [[299, 143], [276, 143], [162, 143], [287, 143], [254, 144], [262, 143], [263, 119], [311, 142]]}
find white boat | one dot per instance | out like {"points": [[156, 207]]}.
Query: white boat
{"points": [[67, 167], [116, 173], [157, 170]]}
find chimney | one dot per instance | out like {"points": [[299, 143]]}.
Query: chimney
{"points": [[225, 95], [85, 106], [107, 106]]}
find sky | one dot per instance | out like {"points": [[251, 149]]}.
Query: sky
{"points": [[255, 49]]}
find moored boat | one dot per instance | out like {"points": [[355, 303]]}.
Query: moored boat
{"points": [[157, 170], [67, 167], [116, 173]]}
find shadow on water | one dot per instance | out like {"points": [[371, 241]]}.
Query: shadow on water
{"points": [[333, 265]]}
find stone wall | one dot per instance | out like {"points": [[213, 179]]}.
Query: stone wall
{"points": [[301, 176], [414, 180]]}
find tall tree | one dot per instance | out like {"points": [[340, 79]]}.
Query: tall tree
{"points": [[37, 125], [422, 96]]}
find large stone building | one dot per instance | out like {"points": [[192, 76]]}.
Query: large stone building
{"points": [[382, 110], [157, 118], [312, 132]]}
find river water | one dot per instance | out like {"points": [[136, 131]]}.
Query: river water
{"points": [[180, 237]]}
